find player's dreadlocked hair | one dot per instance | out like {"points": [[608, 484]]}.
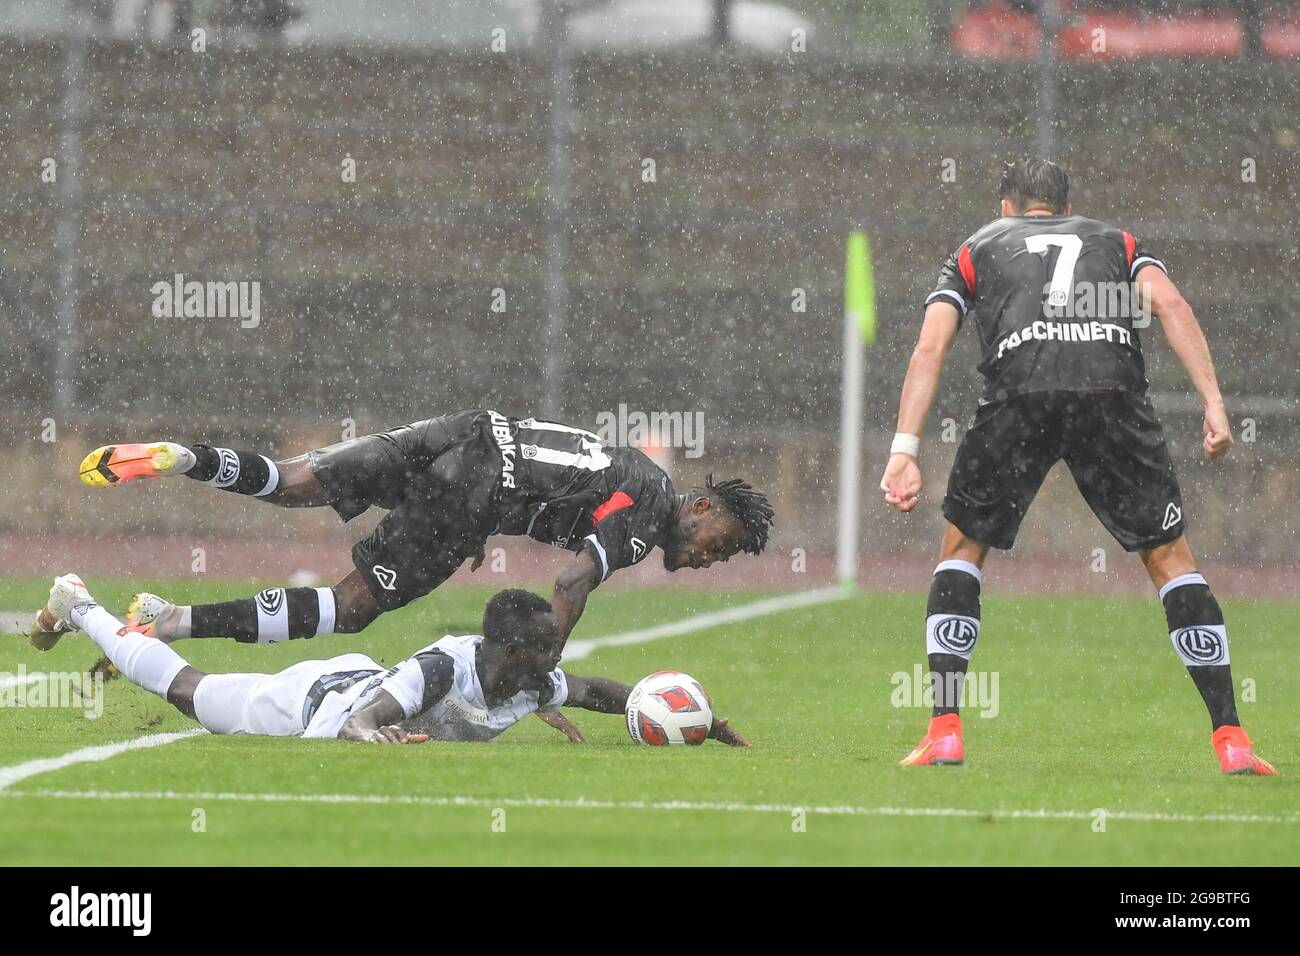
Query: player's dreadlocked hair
{"points": [[748, 506]]}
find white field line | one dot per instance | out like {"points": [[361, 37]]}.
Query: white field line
{"points": [[18, 680], [577, 650], [581, 803], [11, 775]]}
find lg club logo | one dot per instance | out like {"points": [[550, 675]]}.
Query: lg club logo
{"points": [[1200, 645], [270, 601], [956, 634], [229, 470]]}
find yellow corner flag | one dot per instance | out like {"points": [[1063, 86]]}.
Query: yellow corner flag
{"points": [[860, 286]]}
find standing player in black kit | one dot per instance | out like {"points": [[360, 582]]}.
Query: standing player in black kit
{"points": [[1053, 297], [447, 484]]}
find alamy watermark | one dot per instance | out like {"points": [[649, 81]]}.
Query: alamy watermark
{"points": [[71, 690], [1099, 300], [977, 690], [191, 299], [637, 429], [75, 908]]}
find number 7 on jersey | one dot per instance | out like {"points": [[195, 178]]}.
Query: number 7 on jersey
{"points": [[1062, 284]]}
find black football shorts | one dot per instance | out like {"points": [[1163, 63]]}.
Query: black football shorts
{"points": [[438, 479], [1112, 443]]}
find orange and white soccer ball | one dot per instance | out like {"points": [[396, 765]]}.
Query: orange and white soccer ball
{"points": [[669, 708]]}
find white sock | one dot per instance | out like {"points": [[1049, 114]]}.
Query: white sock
{"points": [[145, 661]]}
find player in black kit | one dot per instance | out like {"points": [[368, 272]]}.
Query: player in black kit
{"points": [[1054, 298], [447, 484]]}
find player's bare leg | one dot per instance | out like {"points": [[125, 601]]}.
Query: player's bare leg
{"points": [[1200, 639], [952, 625], [956, 546], [298, 486], [356, 605], [181, 692]]}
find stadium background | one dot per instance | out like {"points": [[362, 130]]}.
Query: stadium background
{"points": [[376, 295]]}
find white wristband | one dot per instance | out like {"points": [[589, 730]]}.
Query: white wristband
{"points": [[905, 444]]}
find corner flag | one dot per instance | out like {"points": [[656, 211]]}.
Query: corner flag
{"points": [[860, 286]]}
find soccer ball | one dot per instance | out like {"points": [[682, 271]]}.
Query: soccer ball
{"points": [[669, 708]]}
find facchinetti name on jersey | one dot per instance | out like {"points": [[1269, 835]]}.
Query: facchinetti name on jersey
{"points": [[1044, 331], [506, 445]]}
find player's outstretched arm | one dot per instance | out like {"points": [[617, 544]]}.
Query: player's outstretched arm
{"points": [[590, 693], [901, 482], [606, 696], [601, 694], [376, 723], [575, 582], [1188, 342]]}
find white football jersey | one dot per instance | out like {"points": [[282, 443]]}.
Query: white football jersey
{"points": [[463, 712], [454, 708]]}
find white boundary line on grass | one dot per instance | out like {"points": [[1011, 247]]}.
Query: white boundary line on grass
{"points": [[11, 775], [674, 805], [576, 650]]}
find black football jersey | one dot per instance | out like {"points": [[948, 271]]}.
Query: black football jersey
{"points": [[562, 486], [1054, 303]]}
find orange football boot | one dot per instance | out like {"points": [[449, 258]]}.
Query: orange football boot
{"points": [[941, 745], [1235, 756], [111, 465]]}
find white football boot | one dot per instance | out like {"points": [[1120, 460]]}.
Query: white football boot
{"points": [[145, 610], [55, 619]]}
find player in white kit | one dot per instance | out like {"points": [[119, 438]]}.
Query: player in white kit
{"points": [[457, 688]]}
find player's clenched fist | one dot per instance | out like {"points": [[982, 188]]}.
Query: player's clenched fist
{"points": [[1218, 433], [901, 482]]}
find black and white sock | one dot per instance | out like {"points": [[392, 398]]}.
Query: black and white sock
{"points": [[952, 626], [243, 472], [276, 614], [1200, 639]]}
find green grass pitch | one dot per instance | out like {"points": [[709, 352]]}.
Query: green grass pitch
{"points": [[1094, 712]]}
